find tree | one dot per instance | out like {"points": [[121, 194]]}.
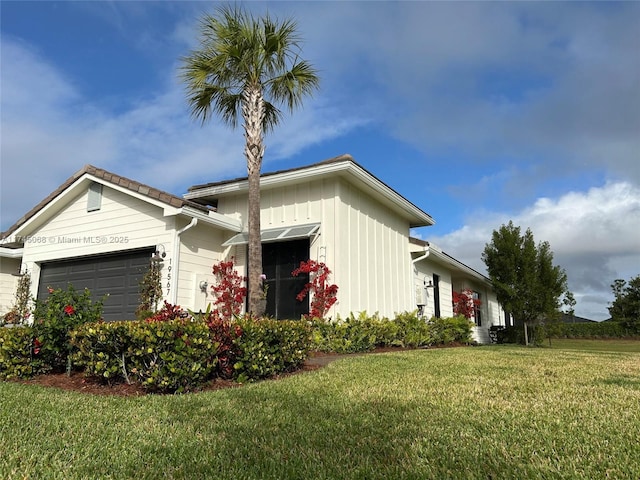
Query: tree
{"points": [[626, 304], [244, 67], [569, 302], [526, 282]]}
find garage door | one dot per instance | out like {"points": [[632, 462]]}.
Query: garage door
{"points": [[118, 275]]}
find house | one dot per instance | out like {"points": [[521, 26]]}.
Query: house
{"points": [[100, 230]]}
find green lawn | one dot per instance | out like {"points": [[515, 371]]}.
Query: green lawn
{"points": [[615, 345], [480, 412]]}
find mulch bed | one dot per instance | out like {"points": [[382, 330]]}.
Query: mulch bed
{"points": [[77, 382]]}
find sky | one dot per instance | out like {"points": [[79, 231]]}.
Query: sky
{"points": [[477, 112]]}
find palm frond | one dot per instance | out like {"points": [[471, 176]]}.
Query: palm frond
{"points": [[239, 51]]}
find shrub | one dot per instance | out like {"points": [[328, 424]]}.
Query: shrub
{"points": [[450, 330], [324, 295], [228, 291], [168, 356], [16, 352], [224, 333], [593, 329], [167, 312], [351, 335], [364, 333], [104, 350], [413, 331], [565, 330], [270, 347], [55, 317]]}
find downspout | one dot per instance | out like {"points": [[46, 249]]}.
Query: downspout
{"points": [[413, 284], [176, 256]]}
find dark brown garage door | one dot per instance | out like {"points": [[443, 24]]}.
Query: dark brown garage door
{"points": [[117, 275]]}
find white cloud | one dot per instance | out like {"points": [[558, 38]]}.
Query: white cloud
{"points": [[50, 131], [593, 234]]}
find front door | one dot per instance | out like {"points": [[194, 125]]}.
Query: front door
{"points": [[278, 261]]}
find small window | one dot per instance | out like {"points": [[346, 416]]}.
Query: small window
{"points": [[477, 309], [94, 198]]}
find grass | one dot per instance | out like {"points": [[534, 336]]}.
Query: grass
{"points": [[466, 413], [614, 345]]}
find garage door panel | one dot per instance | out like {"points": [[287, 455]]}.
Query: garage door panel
{"points": [[118, 275]]}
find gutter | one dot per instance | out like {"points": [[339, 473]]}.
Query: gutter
{"points": [[176, 256], [413, 262]]}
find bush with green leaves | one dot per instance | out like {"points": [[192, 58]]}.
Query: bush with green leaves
{"points": [[353, 334], [55, 317], [270, 347], [448, 330], [567, 330], [170, 356], [413, 331], [16, 353], [363, 333]]}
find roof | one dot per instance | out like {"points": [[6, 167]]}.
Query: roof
{"points": [[444, 257], [108, 177], [342, 165]]}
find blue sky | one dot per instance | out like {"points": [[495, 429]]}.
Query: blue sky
{"points": [[477, 112]]}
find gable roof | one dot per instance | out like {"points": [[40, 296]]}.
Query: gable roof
{"points": [[343, 166], [91, 173]]}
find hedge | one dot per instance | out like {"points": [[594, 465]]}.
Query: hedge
{"points": [[566, 330], [270, 347], [171, 356], [16, 353], [364, 333]]}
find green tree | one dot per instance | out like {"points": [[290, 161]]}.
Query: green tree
{"points": [[626, 304], [569, 302], [526, 282], [243, 68]]}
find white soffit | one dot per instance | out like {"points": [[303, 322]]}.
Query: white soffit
{"points": [[276, 234]]}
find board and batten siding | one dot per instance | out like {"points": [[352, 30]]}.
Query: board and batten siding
{"points": [[8, 282], [200, 248], [372, 262], [424, 271], [123, 222], [364, 243]]}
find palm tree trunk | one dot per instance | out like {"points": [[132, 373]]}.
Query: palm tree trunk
{"points": [[253, 114]]}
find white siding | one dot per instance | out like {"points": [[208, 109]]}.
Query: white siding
{"points": [[122, 223], [372, 262], [199, 250], [8, 282], [425, 270], [364, 243]]}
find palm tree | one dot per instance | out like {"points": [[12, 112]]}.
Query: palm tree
{"points": [[242, 66]]}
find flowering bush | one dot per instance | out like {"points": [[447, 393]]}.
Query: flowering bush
{"points": [[228, 291], [167, 312], [55, 317], [224, 333], [324, 294], [464, 304]]}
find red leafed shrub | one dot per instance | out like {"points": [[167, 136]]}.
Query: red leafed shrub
{"points": [[324, 294], [228, 291], [224, 332], [464, 304], [167, 312]]}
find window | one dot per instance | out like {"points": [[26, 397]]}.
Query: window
{"points": [[477, 309], [436, 295], [94, 197]]}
